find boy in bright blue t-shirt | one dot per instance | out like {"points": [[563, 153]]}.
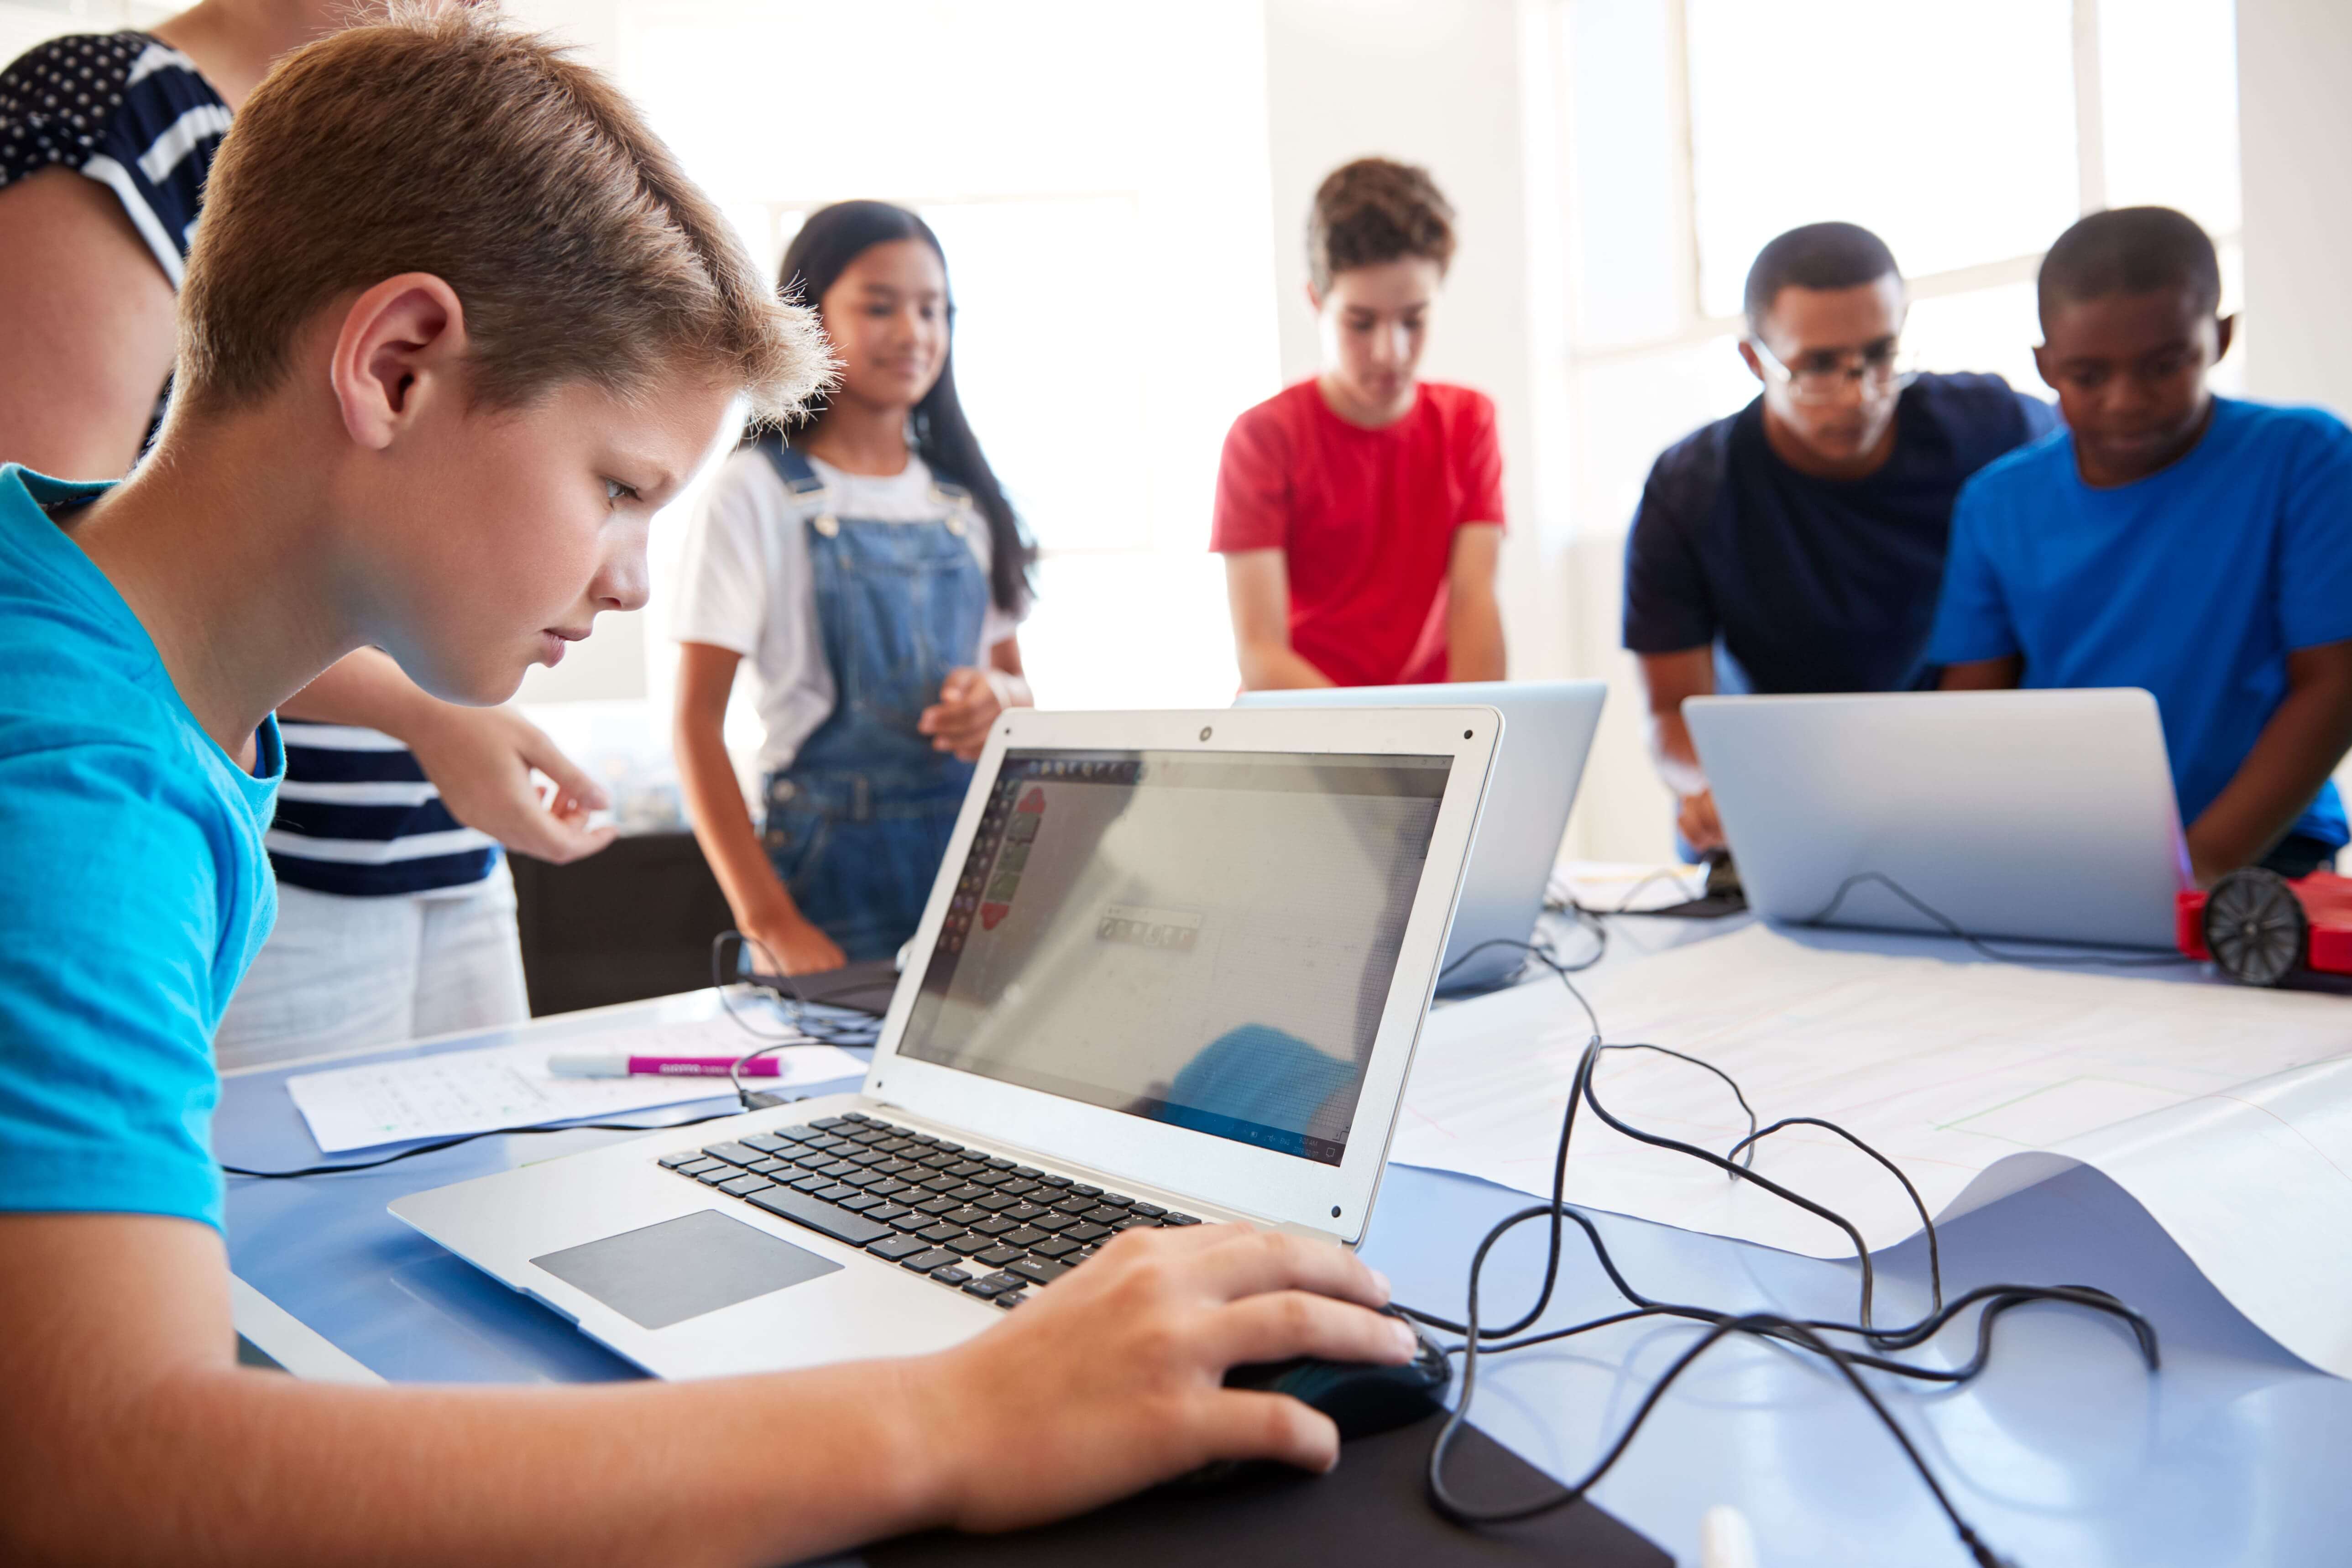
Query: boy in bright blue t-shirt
{"points": [[2196, 546], [437, 420], [109, 788]]}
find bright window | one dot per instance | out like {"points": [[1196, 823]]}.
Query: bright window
{"points": [[1078, 164], [1697, 129]]}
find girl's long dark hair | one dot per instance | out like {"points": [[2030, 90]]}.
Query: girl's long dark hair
{"points": [[832, 238]]}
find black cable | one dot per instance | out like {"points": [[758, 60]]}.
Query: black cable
{"points": [[1537, 950], [809, 1027], [468, 1138], [1978, 944], [1997, 1300]]}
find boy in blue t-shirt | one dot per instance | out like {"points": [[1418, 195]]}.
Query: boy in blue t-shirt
{"points": [[454, 328], [2199, 547]]}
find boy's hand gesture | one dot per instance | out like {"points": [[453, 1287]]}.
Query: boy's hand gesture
{"points": [[1111, 1379]]}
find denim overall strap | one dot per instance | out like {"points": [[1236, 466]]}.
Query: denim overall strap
{"points": [[859, 821]]}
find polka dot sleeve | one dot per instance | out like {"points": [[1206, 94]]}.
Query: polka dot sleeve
{"points": [[59, 99], [125, 110]]}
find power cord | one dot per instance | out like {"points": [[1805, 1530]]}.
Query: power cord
{"points": [[1535, 950], [810, 1026], [468, 1138], [1976, 943], [1803, 1334]]}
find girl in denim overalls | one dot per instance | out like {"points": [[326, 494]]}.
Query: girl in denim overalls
{"points": [[874, 575]]}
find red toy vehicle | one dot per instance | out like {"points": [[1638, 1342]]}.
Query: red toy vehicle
{"points": [[2260, 928]]}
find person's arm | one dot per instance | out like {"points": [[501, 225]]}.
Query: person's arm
{"points": [[2306, 738], [1473, 620], [763, 911], [1258, 586], [480, 759], [133, 1437], [87, 317], [1671, 621], [1668, 680], [970, 699], [1983, 674]]}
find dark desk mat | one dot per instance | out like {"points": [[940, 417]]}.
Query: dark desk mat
{"points": [[1373, 1509], [861, 987]]}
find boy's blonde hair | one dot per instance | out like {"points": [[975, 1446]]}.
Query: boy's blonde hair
{"points": [[448, 142]]}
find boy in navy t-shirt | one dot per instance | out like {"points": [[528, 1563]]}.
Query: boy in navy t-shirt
{"points": [[2199, 547], [1797, 545]]}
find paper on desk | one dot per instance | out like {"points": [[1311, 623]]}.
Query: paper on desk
{"points": [[2225, 1111], [1617, 887], [457, 1092]]}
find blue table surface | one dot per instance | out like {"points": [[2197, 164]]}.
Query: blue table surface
{"points": [[2065, 1451]]}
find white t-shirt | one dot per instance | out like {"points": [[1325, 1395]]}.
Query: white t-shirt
{"points": [[748, 585]]}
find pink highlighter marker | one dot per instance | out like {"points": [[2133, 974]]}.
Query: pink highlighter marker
{"points": [[613, 1064]]}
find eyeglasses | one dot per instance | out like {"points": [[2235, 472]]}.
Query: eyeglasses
{"points": [[1878, 370]]}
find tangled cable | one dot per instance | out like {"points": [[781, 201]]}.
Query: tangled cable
{"points": [[1977, 944], [1805, 1335]]}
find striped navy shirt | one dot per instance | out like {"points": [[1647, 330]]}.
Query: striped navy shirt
{"points": [[356, 814]]}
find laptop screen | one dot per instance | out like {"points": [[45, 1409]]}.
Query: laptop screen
{"points": [[1205, 939]]}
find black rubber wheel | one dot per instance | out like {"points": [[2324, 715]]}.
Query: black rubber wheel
{"points": [[2255, 927]]}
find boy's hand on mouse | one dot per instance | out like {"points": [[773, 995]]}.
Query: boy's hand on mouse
{"points": [[969, 700], [1111, 1378]]}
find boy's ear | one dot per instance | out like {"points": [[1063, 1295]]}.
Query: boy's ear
{"points": [[2041, 364], [1314, 299], [1747, 356], [2225, 333], [401, 343]]}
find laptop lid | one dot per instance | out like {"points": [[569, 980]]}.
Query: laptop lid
{"points": [[1548, 729], [2035, 815], [1193, 948]]}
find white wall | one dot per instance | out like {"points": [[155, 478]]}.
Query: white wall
{"points": [[1438, 83], [2294, 58], [2295, 138], [1469, 88]]}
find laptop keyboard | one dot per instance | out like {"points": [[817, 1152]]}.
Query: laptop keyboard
{"points": [[972, 1222]]}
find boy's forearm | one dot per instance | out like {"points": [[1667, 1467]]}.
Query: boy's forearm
{"points": [[1668, 681], [2293, 756], [129, 1436], [1678, 759], [1474, 637], [256, 1468]]}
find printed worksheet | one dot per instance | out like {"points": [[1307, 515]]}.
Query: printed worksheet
{"points": [[451, 1093]]}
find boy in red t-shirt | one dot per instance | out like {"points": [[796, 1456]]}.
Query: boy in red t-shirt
{"points": [[1361, 513]]}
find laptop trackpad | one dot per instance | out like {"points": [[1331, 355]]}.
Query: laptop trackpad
{"points": [[684, 1267]]}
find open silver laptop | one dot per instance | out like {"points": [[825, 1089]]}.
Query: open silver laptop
{"points": [[2037, 814], [1548, 728], [1172, 970]]}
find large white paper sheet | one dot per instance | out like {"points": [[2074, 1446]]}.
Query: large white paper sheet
{"points": [[2226, 1111], [455, 1092]]}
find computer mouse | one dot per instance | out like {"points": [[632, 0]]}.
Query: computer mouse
{"points": [[1362, 1399]]}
